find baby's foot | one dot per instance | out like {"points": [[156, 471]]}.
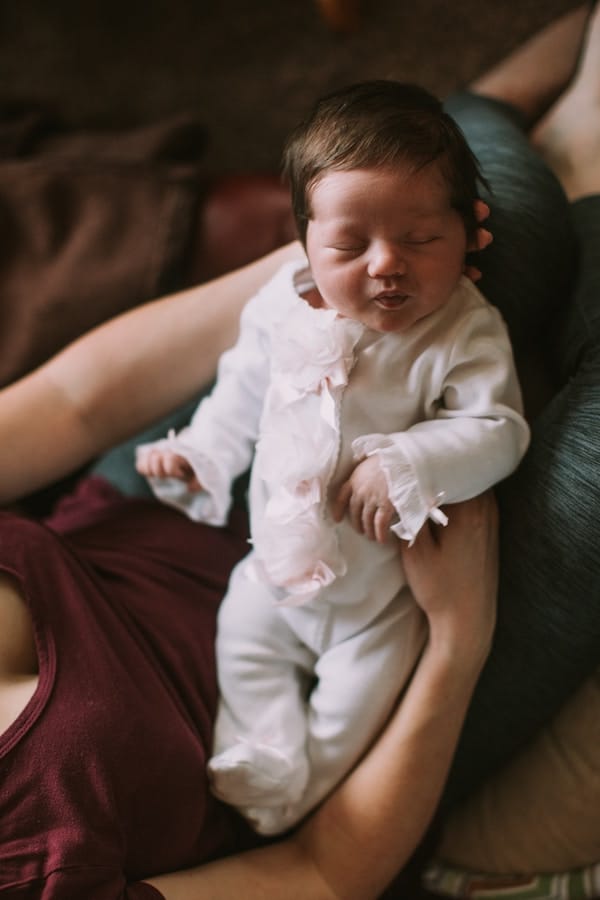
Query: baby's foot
{"points": [[255, 774], [270, 820]]}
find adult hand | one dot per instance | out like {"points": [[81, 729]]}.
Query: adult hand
{"points": [[364, 496], [453, 573], [157, 463], [483, 237]]}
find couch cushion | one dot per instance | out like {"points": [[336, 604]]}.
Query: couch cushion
{"points": [[541, 812]]}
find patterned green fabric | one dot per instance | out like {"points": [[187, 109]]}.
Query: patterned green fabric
{"points": [[577, 884]]}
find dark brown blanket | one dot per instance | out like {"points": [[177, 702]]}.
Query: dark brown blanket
{"points": [[92, 225]]}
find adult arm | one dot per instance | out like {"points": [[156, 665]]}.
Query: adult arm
{"points": [[120, 377], [354, 844]]}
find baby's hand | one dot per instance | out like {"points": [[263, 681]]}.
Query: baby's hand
{"points": [[167, 464], [365, 497]]}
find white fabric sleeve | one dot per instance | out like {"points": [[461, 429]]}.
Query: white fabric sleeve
{"points": [[474, 436], [219, 441]]}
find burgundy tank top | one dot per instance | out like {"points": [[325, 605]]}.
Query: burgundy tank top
{"points": [[102, 776]]}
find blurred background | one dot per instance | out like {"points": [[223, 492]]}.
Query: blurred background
{"points": [[248, 70]]}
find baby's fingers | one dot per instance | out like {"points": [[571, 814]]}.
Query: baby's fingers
{"points": [[356, 513], [177, 467], [149, 463], [141, 463], [368, 518]]}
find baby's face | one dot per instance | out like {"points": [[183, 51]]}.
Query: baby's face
{"points": [[385, 246]]}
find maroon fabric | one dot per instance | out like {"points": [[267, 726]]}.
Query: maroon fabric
{"points": [[102, 777]]}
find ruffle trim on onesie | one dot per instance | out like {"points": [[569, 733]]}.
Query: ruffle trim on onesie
{"points": [[404, 489], [295, 541]]}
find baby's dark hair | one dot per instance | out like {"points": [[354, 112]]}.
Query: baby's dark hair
{"points": [[376, 124]]}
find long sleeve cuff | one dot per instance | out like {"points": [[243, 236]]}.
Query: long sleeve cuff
{"points": [[210, 505], [413, 507]]}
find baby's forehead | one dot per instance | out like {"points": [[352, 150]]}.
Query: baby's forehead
{"points": [[433, 176], [422, 193]]}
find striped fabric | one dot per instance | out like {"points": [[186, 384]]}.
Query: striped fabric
{"points": [[576, 884]]}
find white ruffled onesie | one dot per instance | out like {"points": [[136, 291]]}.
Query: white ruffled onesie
{"points": [[318, 632]]}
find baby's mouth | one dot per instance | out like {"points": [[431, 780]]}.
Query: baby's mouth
{"points": [[390, 300]]}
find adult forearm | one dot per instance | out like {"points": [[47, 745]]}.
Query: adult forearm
{"points": [[363, 834], [120, 377]]}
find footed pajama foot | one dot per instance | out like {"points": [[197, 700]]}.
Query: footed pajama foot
{"points": [[271, 820], [253, 774]]}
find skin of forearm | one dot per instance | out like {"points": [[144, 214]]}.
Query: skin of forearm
{"points": [[120, 377], [283, 871]]}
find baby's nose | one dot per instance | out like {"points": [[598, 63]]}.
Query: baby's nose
{"points": [[386, 260]]}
